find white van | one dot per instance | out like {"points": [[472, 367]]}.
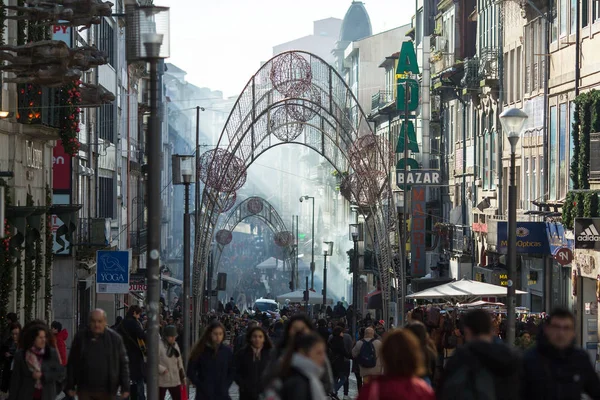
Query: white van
{"points": [[265, 305]]}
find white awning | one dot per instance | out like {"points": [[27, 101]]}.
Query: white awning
{"points": [[462, 288]]}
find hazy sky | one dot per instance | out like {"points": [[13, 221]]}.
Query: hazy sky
{"points": [[220, 43]]}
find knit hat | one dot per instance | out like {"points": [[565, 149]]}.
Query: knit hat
{"points": [[170, 331]]}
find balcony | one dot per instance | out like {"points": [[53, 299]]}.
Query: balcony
{"points": [[138, 241], [382, 99], [441, 61], [595, 161], [488, 67], [471, 77], [39, 110], [461, 239]]}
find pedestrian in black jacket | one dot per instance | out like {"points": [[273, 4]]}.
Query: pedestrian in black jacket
{"points": [[251, 362], [133, 335], [8, 350], [37, 368], [338, 354], [211, 367], [98, 364], [555, 369]]}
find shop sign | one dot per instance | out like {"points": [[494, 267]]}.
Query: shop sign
{"points": [[137, 283], [112, 271], [61, 246], [33, 155], [556, 236], [531, 238], [418, 177], [500, 278], [587, 233], [417, 232], [586, 263], [480, 227], [61, 168], [563, 256]]}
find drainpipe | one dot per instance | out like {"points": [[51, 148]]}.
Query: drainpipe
{"points": [[500, 141]]}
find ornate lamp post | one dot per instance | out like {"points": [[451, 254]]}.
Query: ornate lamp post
{"points": [[312, 247], [512, 121], [327, 251]]}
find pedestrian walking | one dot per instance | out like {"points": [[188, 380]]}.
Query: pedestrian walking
{"points": [[428, 349], [556, 369], [60, 336], [301, 372], [210, 367], [481, 369], [251, 362], [403, 364], [348, 345], [98, 366], [367, 353], [9, 348], [36, 368], [338, 356], [170, 365], [132, 332]]}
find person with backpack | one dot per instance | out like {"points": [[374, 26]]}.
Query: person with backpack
{"points": [[367, 353], [481, 369]]}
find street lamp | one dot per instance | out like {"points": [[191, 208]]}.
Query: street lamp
{"points": [[183, 174], [312, 247], [327, 251], [148, 41], [356, 234], [512, 121], [400, 200]]}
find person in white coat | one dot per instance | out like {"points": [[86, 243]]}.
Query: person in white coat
{"points": [[170, 365]]}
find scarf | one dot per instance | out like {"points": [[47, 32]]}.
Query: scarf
{"points": [[256, 354], [33, 357], [313, 372], [171, 350]]}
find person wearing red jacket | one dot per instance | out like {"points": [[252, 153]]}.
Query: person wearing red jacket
{"points": [[61, 335], [403, 363]]}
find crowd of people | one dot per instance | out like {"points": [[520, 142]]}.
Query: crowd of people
{"points": [[292, 356]]}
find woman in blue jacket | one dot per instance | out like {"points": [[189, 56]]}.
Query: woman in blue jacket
{"points": [[210, 367]]}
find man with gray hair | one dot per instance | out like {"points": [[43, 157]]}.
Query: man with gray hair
{"points": [[366, 353], [98, 366]]}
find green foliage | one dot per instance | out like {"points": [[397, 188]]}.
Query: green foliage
{"points": [[6, 262], [590, 205], [49, 257], [575, 155], [29, 281], [21, 26]]}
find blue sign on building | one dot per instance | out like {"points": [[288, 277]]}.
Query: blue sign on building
{"points": [[532, 238], [112, 271], [556, 237]]}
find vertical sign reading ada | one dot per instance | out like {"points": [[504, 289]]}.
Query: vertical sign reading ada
{"points": [[112, 271], [417, 232]]}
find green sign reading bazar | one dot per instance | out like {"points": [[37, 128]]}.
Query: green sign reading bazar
{"points": [[407, 86]]}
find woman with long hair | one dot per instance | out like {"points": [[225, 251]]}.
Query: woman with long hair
{"points": [[210, 367], [428, 349], [251, 362], [37, 368], [170, 365], [8, 350], [403, 365], [301, 371]]}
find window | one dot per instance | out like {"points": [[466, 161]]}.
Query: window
{"points": [[585, 10], [573, 11], [452, 127], [486, 160], [533, 196], [552, 149], [106, 41], [526, 185], [518, 75], [563, 17], [562, 151], [493, 166], [106, 195], [541, 166], [554, 24], [571, 142], [511, 77], [106, 122]]}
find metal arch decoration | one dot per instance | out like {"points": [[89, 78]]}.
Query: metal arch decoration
{"points": [[223, 201], [283, 239], [365, 155], [222, 170], [256, 207], [224, 237], [338, 123]]}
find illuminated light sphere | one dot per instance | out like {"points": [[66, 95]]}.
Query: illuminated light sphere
{"points": [[371, 153], [221, 170], [224, 237], [254, 205], [283, 126], [306, 108], [291, 75], [222, 201], [283, 239], [363, 190]]}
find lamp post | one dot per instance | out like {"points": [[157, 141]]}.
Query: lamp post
{"points": [[312, 247], [399, 198], [183, 174], [327, 251], [148, 40], [512, 121], [355, 236]]}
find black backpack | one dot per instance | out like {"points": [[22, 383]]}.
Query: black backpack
{"points": [[470, 381], [367, 357]]}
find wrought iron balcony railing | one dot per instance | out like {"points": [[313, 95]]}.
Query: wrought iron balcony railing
{"points": [[381, 99], [139, 241]]}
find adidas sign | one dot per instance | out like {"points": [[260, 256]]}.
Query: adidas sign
{"points": [[589, 235]]}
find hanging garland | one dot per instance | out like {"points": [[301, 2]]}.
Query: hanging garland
{"points": [[29, 277], [39, 263], [6, 263], [70, 97], [575, 157], [49, 257]]}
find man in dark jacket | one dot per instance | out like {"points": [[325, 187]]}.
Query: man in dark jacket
{"points": [[98, 364], [480, 366], [134, 338], [555, 368]]}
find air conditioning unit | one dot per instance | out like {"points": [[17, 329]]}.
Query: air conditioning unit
{"points": [[440, 43]]}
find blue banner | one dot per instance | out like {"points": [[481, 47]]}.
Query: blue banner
{"points": [[112, 271], [556, 237], [532, 238]]}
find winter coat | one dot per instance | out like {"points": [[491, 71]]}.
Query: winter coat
{"points": [[499, 360], [296, 386], [118, 372], [338, 354], [212, 373], [377, 369], [61, 345], [10, 347], [22, 385], [249, 372], [392, 388], [131, 330], [551, 374], [169, 367]]}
